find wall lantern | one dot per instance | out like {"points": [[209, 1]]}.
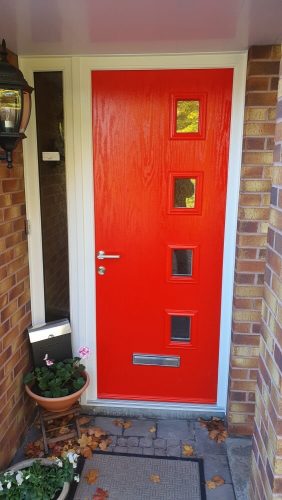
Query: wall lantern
{"points": [[15, 106]]}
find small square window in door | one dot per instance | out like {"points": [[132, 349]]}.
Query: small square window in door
{"points": [[185, 193], [182, 263], [188, 116], [181, 329]]}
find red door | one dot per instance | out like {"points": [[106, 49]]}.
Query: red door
{"points": [[161, 142]]}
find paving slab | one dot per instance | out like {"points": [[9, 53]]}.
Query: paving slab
{"points": [[145, 442], [120, 449], [217, 466], [134, 441], [224, 492], [121, 441], [159, 443], [148, 451], [107, 424], [175, 429], [135, 450], [160, 452], [239, 456], [173, 451], [140, 428]]}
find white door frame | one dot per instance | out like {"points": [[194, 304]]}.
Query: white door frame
{"points": [[79, 168]]}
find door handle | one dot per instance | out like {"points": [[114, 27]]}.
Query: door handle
{"points": [[101, 255]]}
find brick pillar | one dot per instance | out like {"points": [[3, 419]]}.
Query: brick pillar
{"points": [[266, 480], [259, 127], [15, 407]]}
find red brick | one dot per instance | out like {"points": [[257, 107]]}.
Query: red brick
{"points": [[263, 68]]}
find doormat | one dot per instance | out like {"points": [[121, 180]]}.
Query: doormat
{"points": [[119, 476]]}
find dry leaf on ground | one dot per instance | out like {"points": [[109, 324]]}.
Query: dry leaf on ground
{"points": [[215, 482], [86, 452], [96, 431], [84, 440], [100, 494], [84, 420], [64, 430], [125, 424], [187, 450], [155, 478], [92, 476], [35, 449], [152, 429], [103, 445], [216, 428]]}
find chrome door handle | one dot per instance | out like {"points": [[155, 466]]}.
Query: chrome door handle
{"points": [[101, 255]]}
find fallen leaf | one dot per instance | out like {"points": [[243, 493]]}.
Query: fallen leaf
{"points": [[152, 429], [155, 478], [100, 494], [63, 430], [187, 450], [118, 422], [86, 452], [96, 431], [215, 482], [84, 420], [94, 445], [92, 476], [103, 445], [125, 424], [35, 449], [84, 440], [216, 428]]}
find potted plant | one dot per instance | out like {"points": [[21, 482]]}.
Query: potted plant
{"points": [[39, 479], [58, 385]]}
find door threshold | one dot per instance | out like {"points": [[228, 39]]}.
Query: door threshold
{"points": [[111, 407]]}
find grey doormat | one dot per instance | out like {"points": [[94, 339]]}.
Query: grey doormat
{"points": [[135, 477]]}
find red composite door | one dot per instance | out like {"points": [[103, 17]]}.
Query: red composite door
{"points": [[161, 143]]}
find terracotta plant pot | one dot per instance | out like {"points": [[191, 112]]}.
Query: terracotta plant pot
{"points": [[58, 404], [44, 461]]}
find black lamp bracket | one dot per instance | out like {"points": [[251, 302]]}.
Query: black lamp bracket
{"points": [[8, 157]]}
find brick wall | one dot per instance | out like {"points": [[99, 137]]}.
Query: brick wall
{"points": [[14, 307], [259, 128], [266, 480]]}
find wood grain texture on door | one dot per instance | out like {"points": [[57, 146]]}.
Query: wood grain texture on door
{"points": [[159, 192]]}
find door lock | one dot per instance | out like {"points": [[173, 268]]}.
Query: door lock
{"points": [[101, 270]]}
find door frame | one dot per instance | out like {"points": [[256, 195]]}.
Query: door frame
{"points": [[80, 201]]}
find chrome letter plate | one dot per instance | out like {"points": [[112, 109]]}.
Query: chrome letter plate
{"points": [[156, 360]]}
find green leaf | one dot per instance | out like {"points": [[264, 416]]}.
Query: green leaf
{"points": [[78, 383], [29, 378]]}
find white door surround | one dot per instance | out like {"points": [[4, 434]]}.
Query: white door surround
{"points": [[79, 170]]}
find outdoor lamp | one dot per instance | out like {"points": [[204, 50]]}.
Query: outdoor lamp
{"points": [[15, 106]]}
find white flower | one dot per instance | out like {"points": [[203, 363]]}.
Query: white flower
{"points": [[19, 478], [9, 485], [72, 458], [59, 462], [1, 486], [76, 478], [27, 477]]}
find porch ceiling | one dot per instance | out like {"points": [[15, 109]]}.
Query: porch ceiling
{"points": [[52, 27]]}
